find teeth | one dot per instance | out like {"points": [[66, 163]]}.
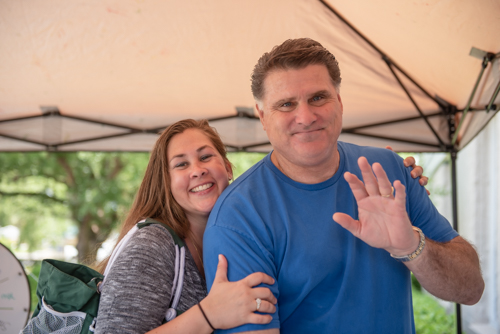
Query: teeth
{"points": [[202, 187]]}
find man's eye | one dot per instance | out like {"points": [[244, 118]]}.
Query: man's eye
{"points": [[317, 98], [286, 106]]}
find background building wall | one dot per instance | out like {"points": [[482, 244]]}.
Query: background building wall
{"points": [[478, 166]]}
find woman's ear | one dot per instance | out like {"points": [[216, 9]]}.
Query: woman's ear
{"points": [[229, 170]]}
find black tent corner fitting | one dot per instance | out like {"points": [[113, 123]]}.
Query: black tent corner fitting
{"points": [[487, 58]]}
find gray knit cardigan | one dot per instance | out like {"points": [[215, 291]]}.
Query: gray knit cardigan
{"points": [[138, 287]]}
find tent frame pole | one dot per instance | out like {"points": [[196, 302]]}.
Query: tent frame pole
{"points": [[382, 54], [453, 155], [473, 93], [389, 64]]}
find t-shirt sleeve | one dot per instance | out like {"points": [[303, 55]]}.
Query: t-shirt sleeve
{"points": [[137, 291], [245, 252]]}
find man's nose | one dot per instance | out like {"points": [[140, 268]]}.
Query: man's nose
{"points": [[305, 115]]}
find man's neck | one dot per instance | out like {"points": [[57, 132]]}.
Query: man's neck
{"points": [[307, 174]]}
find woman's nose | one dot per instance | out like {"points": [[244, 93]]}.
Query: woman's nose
{"points": [[198, 170]]}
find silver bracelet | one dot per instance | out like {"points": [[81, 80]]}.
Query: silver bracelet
{"points": [[417, 252]]}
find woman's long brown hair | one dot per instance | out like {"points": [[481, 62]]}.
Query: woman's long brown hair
{"points": [[154, 198]]}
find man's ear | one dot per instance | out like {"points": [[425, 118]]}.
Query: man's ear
{"points": [[341, 105], [261, 115]]}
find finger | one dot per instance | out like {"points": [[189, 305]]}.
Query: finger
{"points": [[416, 172], [357, 187], [258, 278], [264, 294], [423, 180], [428, 192], [389, 148], [369, 178], [255, 318], [221, 273], [265, 307], [347, 222], [400, 198], [384, 184], [409, 161]]}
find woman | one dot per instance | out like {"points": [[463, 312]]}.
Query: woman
{"points": [[187, 171]]}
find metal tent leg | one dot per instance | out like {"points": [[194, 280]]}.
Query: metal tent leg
{"points": [[453, 155]]}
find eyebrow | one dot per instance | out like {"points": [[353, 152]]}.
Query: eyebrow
{"points": [[322, 92], [182, 154], [291, 99], [280, 102]]}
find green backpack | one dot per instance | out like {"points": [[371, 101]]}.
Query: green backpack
{"points": [[68, 293]]}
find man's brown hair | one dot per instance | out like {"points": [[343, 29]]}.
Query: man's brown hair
{"points": [[293, 54]]}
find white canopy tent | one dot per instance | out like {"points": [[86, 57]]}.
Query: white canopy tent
{"points": [[109, 75]]}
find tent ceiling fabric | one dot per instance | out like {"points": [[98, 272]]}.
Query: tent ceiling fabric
{"points": [[108, 75]]}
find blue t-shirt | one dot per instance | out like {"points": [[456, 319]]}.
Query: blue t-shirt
{"points": [[326, 279]]}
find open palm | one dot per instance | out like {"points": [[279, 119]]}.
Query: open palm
{"points": [[383, 220]]}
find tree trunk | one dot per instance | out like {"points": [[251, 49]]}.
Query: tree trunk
{"points": [[87, 242]]}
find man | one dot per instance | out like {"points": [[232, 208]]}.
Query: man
{"points": [[345, 275]]}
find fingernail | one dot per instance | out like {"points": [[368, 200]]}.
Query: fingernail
{"points": [[220, 257]]}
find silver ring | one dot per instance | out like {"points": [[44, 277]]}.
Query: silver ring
{"points": [[259, 301]]}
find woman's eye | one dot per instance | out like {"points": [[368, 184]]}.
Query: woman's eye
{"points": [[287, 104], [206, 157], [180, 165]]}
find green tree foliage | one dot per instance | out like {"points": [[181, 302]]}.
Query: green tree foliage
{"points": [[243, 160], [430, 317], [39, 222], [32, 270], [93, 191], [48, 195]]}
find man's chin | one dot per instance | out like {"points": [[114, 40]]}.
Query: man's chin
{"points": [[310, 148], [309, 155]]}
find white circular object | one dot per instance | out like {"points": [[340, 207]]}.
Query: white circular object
{"points": [[15, 298]]}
